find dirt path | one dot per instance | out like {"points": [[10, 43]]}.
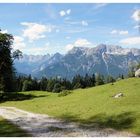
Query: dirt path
{"points": [[39, 125]]}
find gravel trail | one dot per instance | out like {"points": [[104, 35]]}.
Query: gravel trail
{"points": [[39, 125]]}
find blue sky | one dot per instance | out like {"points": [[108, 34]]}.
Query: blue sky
{"points": [[50, 28]]}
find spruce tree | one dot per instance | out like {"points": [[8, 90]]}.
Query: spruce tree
{"points": [[7, 57]]}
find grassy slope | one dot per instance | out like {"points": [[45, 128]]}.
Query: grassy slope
{"points": [[93, 105], [9, 130]]}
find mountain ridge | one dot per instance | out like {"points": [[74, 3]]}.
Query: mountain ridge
{"points": [[104, 59]]}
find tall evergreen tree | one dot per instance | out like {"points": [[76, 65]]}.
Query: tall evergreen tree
{"points": [[110, 79], [43, 84], [78, 82], [93, 79], [7, 74], [99, 80]]}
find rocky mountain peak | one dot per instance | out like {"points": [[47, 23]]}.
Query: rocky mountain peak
{"points": [[105, 59]]}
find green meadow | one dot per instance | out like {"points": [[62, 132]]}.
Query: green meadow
{"points": [[91, 107]]}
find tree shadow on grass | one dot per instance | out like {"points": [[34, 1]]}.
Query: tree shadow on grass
{"points": [[7, 129], [121, 121], [13, 96]]}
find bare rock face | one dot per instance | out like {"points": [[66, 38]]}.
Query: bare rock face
{"points": [[137, 73], [103, 59], [118, 95]]}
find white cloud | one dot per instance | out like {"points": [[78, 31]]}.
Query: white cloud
{"points": [[62, 13], [137, 26], [100, 5], [131, 41], [57, 30], [68, 37], [47, 44], [65, 12], [38, 50], [69, 47], [82, 43], [80, 30], [136, 15], [84, 23], [78, 43], [68, 11], [114, 32], [123, 32], [35, 31], [18, 43], [74, 22], [4, 31], [119, 32]]}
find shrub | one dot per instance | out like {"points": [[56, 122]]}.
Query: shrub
{"points": [[64, 93], [27, 85], [56, 88]]}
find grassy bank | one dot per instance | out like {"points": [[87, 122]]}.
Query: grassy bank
{"points": [[94, 106]]}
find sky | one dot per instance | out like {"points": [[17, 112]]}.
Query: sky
{"points": [[50, 28]]}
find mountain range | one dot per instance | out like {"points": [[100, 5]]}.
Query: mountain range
{"points": [[105, 59]]}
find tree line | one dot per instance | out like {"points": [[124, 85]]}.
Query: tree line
{"points": [[28, 83]]}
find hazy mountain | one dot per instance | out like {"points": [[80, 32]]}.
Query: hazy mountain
{"points": [[104, 59], [29, 63]]}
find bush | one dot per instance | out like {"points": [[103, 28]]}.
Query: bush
{"points": [[27, 85], [77, 85], [56, 88], [64, 93]]}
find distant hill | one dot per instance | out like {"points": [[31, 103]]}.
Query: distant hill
{"points": [[104, 59]]}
